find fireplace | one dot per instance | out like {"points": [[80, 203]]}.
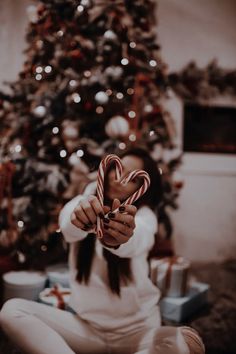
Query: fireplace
{"points": [[209, 129]]}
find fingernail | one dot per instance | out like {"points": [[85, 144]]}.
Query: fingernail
{"points": [[106, 227], [101, 215], [106, 220], [111, 215], [121, 209]]}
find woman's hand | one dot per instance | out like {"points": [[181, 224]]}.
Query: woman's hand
{"points": [[119, 226], [85, 213]]}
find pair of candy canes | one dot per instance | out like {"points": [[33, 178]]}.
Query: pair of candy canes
{"points": [[104, 164]]}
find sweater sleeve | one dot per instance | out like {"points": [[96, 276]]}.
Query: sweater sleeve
{"points": [[143, 237], [70, 232]]}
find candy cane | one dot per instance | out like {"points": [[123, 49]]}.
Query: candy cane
{"points": [[100, 182], [141, 190]]}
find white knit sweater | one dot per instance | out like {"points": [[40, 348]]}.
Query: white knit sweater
{"points": [[137, 304]]}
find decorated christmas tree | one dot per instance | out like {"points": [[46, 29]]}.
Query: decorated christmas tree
{"points": [[93, 83]]}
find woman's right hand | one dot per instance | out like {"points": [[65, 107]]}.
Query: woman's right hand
{"points": [[84, 216]]}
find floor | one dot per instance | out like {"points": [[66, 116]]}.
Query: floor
{"points": [[216, 323]]}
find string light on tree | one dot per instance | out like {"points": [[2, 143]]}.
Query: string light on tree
{"points": [[63, 153], [80, 8], [130, 91], [119, 95], [20, 224], [132, 137], [38, 77], [76, 97], [39, 70], [153, 63], [122, 146], [80, 153], [18, 148], [132, 44], [60, 33], [87, 73], [131, 114], [124, 61], [148, 108], [48, 69], [73, 83], [151, 133]]}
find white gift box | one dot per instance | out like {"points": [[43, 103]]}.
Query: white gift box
{"points": [[23, 284], [57, 297], [179, 309], [170, 274], [58, 274]]}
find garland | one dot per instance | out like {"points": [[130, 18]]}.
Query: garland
{"points": [[195, 84]]}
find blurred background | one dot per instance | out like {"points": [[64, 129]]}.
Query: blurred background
{"points": [[79, 79]]}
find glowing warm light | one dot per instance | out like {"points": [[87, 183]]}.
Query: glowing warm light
{"points": [[55, 130], [153, 63], [80, 8], [20, 223], [63, 153], [39, 69], [80, 153], [122, 146], [38, 77], [132, 137], [124, 61], [132, 44], [18, 148], [48, 69], [132, 114], [76, 97], [119, 95], [130, 91]]}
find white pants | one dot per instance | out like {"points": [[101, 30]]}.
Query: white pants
{"points": [[41, 329]]}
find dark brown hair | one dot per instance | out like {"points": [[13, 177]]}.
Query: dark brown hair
{"points": [[119, 269]]}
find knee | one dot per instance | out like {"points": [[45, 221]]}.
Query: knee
{"points": [[10, 309], [193, 340]]}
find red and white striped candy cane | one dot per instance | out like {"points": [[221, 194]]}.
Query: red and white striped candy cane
{"points": [[104, 164], [146, 183]]}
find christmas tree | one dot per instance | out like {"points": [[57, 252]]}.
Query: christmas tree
{"points": [[92, 83]]}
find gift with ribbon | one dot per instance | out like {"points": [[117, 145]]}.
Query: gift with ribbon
{"points": [[56, 296], [170, 274]]}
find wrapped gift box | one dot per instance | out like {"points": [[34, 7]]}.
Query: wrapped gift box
{"points": [[58, 274], [170, 274], [23, 284], [179, 309], [57, 297]]}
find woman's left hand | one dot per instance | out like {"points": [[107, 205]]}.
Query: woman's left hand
{"points": [[119, 226]]}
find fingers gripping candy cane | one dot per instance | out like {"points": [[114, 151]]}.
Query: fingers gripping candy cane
{"points": [[104, 164], [118, 169]]}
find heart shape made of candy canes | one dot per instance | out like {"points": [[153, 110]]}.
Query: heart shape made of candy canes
{"points": [[104, 164]]}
